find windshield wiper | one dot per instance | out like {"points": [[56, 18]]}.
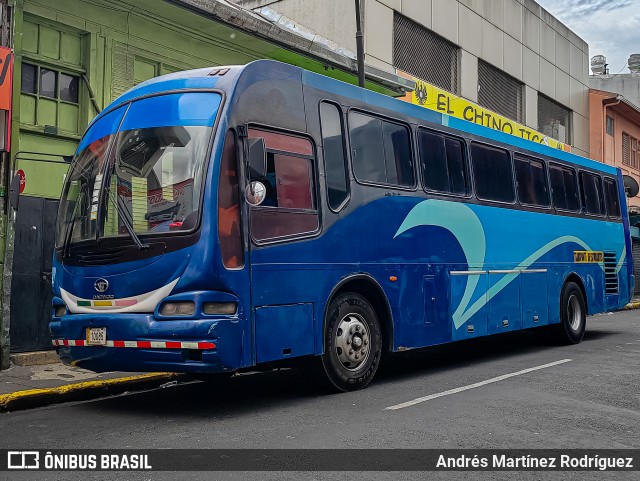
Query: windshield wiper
{"points": [[117, 202]]}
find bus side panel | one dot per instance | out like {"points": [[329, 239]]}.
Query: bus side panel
{"points": [[290, 301], [284, 331], [592, 277], [556, 276], [437, 319], [419, 301], [271, 94], [476, 324], [504, 308], [414, 323], [534, 298], [625, 287]]}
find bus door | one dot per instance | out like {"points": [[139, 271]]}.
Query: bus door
{"points": [[280, 193], [235, 272]]}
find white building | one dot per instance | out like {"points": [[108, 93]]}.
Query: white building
{"points": [[509, 56]]}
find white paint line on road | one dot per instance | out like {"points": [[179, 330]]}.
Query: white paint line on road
{"points": [[475, 385]]}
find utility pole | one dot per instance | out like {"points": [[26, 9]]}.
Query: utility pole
{"points": [[359, 45]]}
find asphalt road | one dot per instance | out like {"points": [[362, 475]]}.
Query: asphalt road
{"points": [[590, 400]]}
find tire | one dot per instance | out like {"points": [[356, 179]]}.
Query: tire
{"points": [[573, 314], [350, 321]]}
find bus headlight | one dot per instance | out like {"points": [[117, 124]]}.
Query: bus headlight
{"points": [[181, 308], [219, 308], [60, 311]]}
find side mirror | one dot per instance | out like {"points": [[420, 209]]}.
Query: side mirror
{"points": [[14, 191], [257, 158], [255, 193], [631, 186]]}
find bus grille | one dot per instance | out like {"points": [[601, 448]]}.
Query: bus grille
{"points": [[610, 275], [98, 255], [87, 257]]}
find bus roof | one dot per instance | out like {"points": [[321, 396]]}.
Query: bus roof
{"points": [[227, 77]]}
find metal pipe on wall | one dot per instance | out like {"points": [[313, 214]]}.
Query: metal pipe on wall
{"points": [[359, 44]]}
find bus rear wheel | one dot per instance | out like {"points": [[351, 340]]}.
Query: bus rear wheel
{"points": [[352, 343], [573, 314]]}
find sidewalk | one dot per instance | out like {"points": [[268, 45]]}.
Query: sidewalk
{"points": [[634, 304], [29, 386]]}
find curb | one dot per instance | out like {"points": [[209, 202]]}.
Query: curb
{"points": [[632, 305], [33, 398], [36, 358]]}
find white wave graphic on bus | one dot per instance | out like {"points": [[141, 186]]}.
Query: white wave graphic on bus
{"points": [[466, 227]]}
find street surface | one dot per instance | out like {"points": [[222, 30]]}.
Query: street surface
{"points": [[455, 396]]}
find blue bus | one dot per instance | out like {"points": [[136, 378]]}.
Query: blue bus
{"points": [[229, 218]]}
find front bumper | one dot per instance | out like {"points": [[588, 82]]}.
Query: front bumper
{"points": [[141, 343]]}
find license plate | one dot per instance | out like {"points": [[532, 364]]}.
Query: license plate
{"points": [[96, 336]]}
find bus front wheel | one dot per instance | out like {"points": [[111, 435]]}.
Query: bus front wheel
{"points": [[573, 314], [352, 343]]}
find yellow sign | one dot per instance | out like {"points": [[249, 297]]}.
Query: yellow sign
{"points": [[588, 256], [434, 98]]}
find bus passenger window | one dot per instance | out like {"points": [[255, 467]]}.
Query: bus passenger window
{"points": [[612, 197], [397, 152], [443, 163], [335, 160], [531, 181], [290, 206], [380, 150], [367, 148], [591, 188], [564, 191], [492, 173]]}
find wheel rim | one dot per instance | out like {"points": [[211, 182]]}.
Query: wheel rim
{"points": [[574, 312], [353, 343]]}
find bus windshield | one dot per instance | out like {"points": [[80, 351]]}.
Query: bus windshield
{"points": [[143, 165]]}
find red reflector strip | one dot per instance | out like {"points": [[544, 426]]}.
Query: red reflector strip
{"points": [[126, 302], [139, 344]]}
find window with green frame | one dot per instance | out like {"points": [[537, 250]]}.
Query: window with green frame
{"points": [[50, 98]]}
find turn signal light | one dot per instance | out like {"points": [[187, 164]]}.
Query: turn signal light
{"points": [[219, 308], [182, 308]]}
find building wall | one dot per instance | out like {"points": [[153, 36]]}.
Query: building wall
{"points": [[516, 36], [625, 120], [327, 18], [596, 127], [627, 85]]}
